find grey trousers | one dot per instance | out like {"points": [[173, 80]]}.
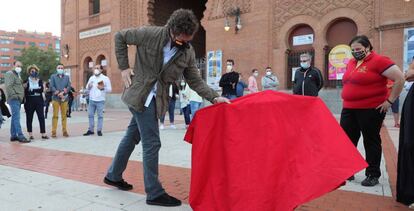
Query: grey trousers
{"points": [[143, 126]]}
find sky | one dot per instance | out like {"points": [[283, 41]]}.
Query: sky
{"points": [[30, 15]]}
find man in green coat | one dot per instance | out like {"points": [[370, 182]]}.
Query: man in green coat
{"points": [[164, 55]]}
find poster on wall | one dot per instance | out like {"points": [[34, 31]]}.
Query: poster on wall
{"points": [[214, 67], [339, 57], [408, 47], [306, 39]]}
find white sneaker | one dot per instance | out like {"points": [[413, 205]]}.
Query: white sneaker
{"points": [[162, 127], [173, 126]]}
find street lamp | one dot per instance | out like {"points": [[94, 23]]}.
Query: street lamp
{"points": [[234, 12]]}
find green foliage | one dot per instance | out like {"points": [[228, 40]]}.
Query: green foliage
{"points": [[46, 60]]}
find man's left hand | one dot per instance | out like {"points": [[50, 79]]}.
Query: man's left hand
{"points": [[221, 100]]}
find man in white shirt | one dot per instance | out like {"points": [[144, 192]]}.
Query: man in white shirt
{"points": [[98, 85]]}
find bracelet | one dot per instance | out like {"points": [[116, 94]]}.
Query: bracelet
{"points": [[389, 101]]}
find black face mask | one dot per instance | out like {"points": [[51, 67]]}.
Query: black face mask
{"points": [[179, 44], [359, 55]]}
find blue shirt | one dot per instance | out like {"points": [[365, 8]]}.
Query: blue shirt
{"points": [[168, 53]]}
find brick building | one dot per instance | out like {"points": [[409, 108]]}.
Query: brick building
{"points": [[12, 43], [272, 32]]}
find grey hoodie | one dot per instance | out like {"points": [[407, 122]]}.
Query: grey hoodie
{"points": [[270, 82]]}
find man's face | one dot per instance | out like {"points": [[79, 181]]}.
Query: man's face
{"points": [[305, 59], [60, 67]]}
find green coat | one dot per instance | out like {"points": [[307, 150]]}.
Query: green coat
{"points": [[14, 86], [149, 67]]}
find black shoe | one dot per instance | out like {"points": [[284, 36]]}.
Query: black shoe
{"points": [[23, 140], [120, 184], [45, 137], [88, 133], [31, 138], [370, 181], [165, 200], [99, 133], [14, 139], [351, 178]]}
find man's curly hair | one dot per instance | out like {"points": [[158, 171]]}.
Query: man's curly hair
{"points": [[183, 21]]}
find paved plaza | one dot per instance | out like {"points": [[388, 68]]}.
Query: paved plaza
{"points": [[67, 173]]}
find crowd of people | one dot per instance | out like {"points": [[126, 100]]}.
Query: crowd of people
{"points": [[155, 91], [36, 96]]}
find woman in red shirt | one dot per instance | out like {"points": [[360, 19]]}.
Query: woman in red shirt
{"points": [[365, 101]]}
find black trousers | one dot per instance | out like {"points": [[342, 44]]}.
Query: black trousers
{"points": [[368, 122], [32, 104]]}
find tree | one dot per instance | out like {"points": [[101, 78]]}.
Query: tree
{"points": [[46, 60]]}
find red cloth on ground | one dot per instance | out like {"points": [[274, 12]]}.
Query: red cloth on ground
{"points": [[365, 86], [267, 151]]}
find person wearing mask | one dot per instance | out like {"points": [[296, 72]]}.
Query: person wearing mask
{"points": [[33, 89], [172, 94], [229, 80], [59, 86], [195, 102], [98, 85], [241, 85], [366, 101], [308, 79], [405, 166], [252, 87], [270, 81], [164, 55], [15, 97]]}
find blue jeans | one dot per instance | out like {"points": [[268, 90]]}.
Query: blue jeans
{"points": [[142, 127], [171, 109], [194, 107], [15, 129], [95, 106], [187, 112]]}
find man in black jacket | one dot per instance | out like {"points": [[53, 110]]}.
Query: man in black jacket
{"points": [[229, 81], [308, 79]]}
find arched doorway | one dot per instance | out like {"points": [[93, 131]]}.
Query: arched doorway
{"points": [[339, 32], [164, 8], [87, 70], [300, 41]]}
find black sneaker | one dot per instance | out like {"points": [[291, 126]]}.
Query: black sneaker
{"points": [[88, 133], [120, 184], [99, 133], [165, 200], [351, 178], [23, 140], [14, 139], [370, 181]]}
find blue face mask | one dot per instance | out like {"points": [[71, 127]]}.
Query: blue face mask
{"points": [[34, 74], [304, 65], [59, 71]]}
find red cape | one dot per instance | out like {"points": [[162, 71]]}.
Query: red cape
{"points": [[267, 151]]}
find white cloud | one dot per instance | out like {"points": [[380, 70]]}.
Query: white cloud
{"points": [[30, 15]]}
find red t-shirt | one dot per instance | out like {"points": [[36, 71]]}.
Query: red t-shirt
{"points": [[365, 86]]}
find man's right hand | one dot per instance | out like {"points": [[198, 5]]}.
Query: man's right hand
{"points": [[126, 76]]}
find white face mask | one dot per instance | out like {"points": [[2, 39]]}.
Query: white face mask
{"points": [[182, 84], [256, 74], [59, 71], [96, 72], [18, 69], [229, 68], [268, 73]]}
